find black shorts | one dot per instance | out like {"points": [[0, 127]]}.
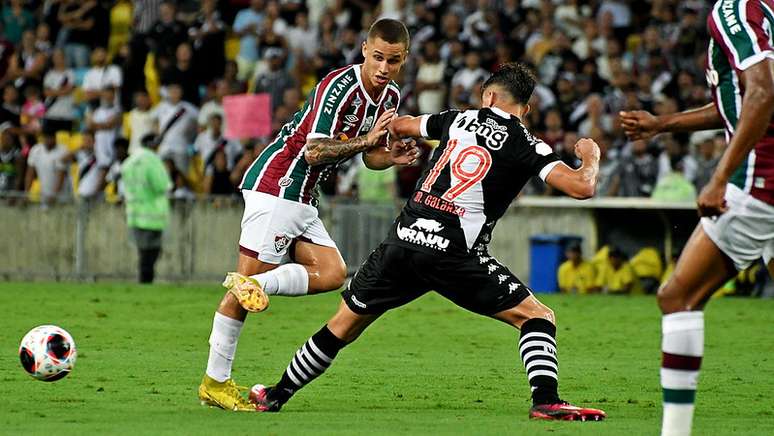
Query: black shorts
{"points": [[394, 275]]}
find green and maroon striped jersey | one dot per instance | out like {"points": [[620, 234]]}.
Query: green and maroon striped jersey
{"points": [[741, 36], [338, 107]]}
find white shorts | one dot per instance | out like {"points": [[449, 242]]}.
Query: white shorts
{"points": [[745, 233], [271, 224]]}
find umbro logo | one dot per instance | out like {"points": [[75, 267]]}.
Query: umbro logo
{"points": [[285, 182], [352, 118]]}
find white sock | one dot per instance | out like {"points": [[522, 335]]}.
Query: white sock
{"points": [[682, 349], [223, 343], [291, 280]]}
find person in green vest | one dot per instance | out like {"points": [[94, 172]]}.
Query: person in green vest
{"points": [[146, 183], [674, 186]]}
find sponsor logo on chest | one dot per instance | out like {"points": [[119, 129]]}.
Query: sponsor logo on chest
{"points": [[334, 95], [423, 232], [494, 133]]}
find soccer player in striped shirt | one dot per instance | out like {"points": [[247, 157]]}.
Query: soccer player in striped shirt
{"points": [[737, 206], [284, 248]]}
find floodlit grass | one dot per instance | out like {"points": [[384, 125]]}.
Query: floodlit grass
{"points": [[428, 368]]}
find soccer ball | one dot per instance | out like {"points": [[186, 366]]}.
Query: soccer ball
{"points": [[47, 353]]}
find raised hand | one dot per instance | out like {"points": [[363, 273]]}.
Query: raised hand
{"points": [[639, 124]]}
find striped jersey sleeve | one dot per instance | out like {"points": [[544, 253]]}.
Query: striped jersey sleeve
{"points": [[331, 94], [742, 28]]}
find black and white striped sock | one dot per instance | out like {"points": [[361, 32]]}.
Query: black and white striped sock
{"points": [[537, 348], [310, 361]]}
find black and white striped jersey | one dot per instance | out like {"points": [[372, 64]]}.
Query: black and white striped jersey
{"points": [[485, 157]]}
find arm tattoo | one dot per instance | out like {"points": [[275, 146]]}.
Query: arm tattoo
{"points": [[326, 150]]}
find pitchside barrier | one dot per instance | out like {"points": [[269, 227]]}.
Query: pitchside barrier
{"points": [[82, 241]]}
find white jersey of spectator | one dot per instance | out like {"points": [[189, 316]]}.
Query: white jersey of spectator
{"points": [[248, 44], [89, 167], [179, 122], [622, 15], [62, 107], [48, 164], [141, 123], [431, 101], [99, 78], [104, 138], [467, 78], [206, 143], [305, 40], [209, 109], [569, 18]]}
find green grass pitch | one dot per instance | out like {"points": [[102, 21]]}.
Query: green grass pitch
{"points": [[427, 368]]}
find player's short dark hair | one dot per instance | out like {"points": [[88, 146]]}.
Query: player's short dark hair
{"points": [[389, 30], [121, 142], [515, 78]]}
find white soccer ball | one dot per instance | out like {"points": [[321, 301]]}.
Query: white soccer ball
{"points": [[47, 353]]}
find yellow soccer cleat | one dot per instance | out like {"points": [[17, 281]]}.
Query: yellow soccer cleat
{"points": [[225, 395], [247, 291]]}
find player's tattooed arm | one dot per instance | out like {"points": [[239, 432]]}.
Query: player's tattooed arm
{"points": [[580, 183], [321, 151]]}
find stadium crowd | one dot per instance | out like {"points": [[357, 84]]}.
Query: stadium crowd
{"points": [[86, 82]]}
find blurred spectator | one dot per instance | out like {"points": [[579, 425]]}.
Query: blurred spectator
{"points": [[43, 39], [59, 84], [91, 167], [575, 275], [11, 161], [465, 80], [608, 166], [302, 38], [105, 121], [166, 35], [33, 110], [146, 183], [28, 65], [674, 186], [184, 74], [231, 77], [146, 14], [247, 26], [674, 152], [214, 105], [208, 34], [16, 19], [554, 133], [430, 87], [617, 275], [10, 112], [217, 179], [140, 121], [706, 155], [567, 150], [78, 21], [44, 164], [176, 127], [211, 140], [274, 80], [113, 176], [638, 172], [100, 77]]}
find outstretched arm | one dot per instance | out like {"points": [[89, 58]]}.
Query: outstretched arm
{"points": [[328, 150], [580, 183], [754, 119], [643, 125]]}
